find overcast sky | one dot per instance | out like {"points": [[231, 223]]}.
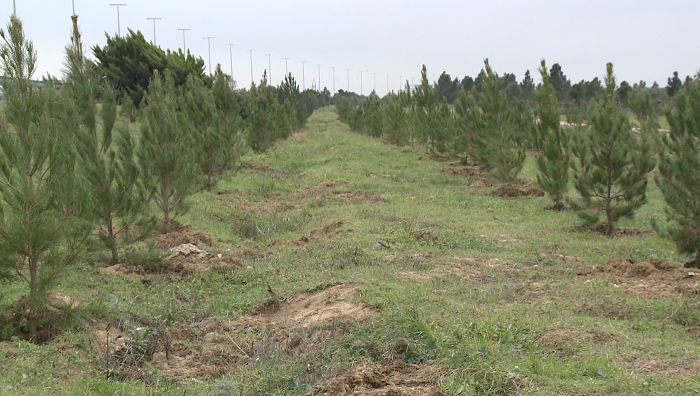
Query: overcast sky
{"points": [[645, 39]]}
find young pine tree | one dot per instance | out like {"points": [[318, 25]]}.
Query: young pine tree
{"points": [[394, 118], [229, 124], [679, 166], [432, 119], [465, 114], [118, 194], [262, 122], [612, 167], [497, 137], [373, 116], [551, 143], [167, 147], [201, 117], [42, 227]]}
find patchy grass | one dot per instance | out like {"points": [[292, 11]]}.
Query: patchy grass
{"points": [[357, 257]]}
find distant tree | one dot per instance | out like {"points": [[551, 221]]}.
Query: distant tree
{"points": [[42, 226], [118, 186], [559, 81], [612, 167], [447, 88], [551, 142], [674, 85], [373, 116], [527, 86], [167, 144], [497, 137], [623, 92], [679, 168], [289, 90], [642, 106], [467, 84]]}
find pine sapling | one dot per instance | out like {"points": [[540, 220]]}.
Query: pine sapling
{"points": [[611, 171], [679, 168], [551, 143]]}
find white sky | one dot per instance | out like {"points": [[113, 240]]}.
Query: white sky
{"points": [[645, 39]]}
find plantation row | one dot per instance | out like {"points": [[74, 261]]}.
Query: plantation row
{"points": [[598, 150], [69, 178]]}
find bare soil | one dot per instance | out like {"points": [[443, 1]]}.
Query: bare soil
{"points": [[602, 229], [188, 258], [382, 379], [655, 278], [183, 234], [567, 341], [312, 236], [509, 191]]}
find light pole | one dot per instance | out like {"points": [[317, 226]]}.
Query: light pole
{"points": [[286, 69], [72, 2], [303, 75], [252, 80], [230, 52], [208, 38], [319, 77], [184, 47], [269, 66], [14, 5], [387, 83], [119, 28], [375, 83], [154, 29], [333, 67], [348, 70], [360, 82]]}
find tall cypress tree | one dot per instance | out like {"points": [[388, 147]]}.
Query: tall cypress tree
{"points": [[679, 167], [119, 196], [167, 147], [612, 167], [42, 226], [551, 142], [497, 138]]}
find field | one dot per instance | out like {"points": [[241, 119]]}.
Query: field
{"points": [[337, 264]]}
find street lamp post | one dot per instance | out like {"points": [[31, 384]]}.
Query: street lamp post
{"points": [[208, 38], [286, 69], [184, 46], [119, 28], [319, 77], [303, 75], [269, 66], [333, 67], [72, 2], [230, 52], [252, 80], [154, 29]]}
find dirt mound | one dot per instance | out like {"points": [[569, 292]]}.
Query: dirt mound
{"points": [[464, 171], [269, 206], [188, 258], [356, 196], [312, 308], [313, 235], [214, 347], [602, 229], [122, 269], [381, 379], [683, 367], [322, 186], [508, 191], [652, 278], [183, 235], [110, 341]]}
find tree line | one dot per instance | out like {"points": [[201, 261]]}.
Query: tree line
{"points": [[598, 151], [72, 177]]}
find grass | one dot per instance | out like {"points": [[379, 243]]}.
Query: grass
{"points": [[485, 289]]}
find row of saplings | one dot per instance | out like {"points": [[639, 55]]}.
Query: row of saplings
{"points": [[608, 159], [69, 179]]}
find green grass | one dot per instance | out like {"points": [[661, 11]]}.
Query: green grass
{"points": [[472, 283]]}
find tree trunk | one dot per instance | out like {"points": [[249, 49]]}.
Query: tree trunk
{"points": [[166, 205], [112, 237], [32, 316]]}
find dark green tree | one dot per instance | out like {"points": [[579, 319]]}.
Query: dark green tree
{"points": [[467, 84], [181, 66], [623, 93], [448, 89], [263, 121], [551, 142], [497, 136], [373, 122], [167, 147], [673, 85], [118, 186], [229, 125], [679, 167], [613, 163], [394, 118], [527, 87], [465, 113], [42, 225], [129, 62], [559, 81]]}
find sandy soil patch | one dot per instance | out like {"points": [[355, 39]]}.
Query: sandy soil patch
{"points": [[378, 379]]}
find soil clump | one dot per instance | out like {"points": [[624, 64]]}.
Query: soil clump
{"points": [[382, 379], [654, 278], [183, 234]]}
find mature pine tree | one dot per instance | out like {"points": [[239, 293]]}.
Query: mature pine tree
{"points": [[201, 117], [551, 143], [612, 167], [679, 166], [498, 137], [42, 226], [433, 129], [118, 196], [167, 147]]}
